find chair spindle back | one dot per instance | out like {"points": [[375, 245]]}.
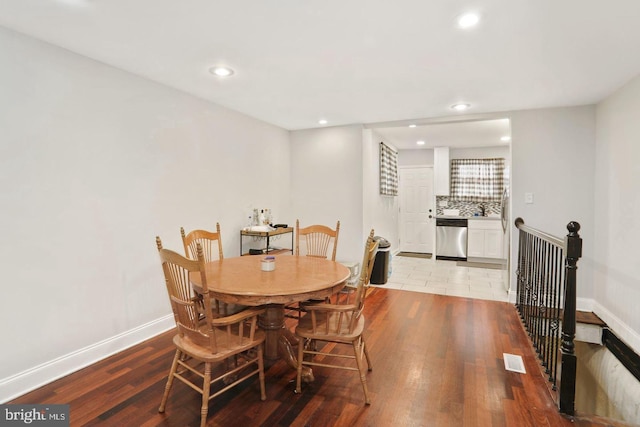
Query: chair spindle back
{"points": [[189, 308], [370, 251], [210, 242], [317, 239]]}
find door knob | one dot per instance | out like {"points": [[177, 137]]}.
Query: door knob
{"points": [[430, 216]]}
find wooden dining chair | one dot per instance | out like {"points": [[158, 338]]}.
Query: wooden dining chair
{"points": [[340, 324], [204, 343], [318, 241], [211, 244]]}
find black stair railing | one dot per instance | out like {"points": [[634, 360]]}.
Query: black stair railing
{"points": [[546, 299]]}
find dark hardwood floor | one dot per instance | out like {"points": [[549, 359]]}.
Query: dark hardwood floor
{"points": [[437, 361]]}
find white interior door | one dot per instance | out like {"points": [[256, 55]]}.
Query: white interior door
{"points": [[417, 210]]}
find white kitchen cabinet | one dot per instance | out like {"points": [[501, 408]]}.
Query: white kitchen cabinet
{"points": [[441, 172], [485, 239], [493, 243], [475, 242]]}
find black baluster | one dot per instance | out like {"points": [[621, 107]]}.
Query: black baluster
{"points": [[568, 373]]}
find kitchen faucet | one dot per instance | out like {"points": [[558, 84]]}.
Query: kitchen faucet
{"points": [[481, 206]]}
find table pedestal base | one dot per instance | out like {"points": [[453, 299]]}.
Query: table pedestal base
{"points": [[281, 343]]}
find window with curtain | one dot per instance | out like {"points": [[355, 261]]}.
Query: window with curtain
{"points": [[477, 179], [388, 170]]}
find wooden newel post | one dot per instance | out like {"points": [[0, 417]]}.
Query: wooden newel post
{"points": [[573, 243]]}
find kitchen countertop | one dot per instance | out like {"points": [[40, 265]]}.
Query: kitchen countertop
{"points": [[480, 218]]}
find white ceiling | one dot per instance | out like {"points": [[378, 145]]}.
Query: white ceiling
{"points": [[353, 61], [481, 133]]}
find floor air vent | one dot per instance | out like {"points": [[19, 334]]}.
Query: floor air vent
{"points": [[513, 363]]}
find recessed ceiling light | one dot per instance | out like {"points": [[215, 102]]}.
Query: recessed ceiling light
{"points": [[221, 71], [420, 142], [460, 107], [505, 139], [412, 126], [322, 122], [468, 20]]}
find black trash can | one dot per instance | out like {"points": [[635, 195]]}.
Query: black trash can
{"points": [[380, 272]]}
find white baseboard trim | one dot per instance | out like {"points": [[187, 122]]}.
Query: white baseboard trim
{"points": [[26, 381], [620, 328]]}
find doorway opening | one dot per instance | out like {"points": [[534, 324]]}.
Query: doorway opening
{"points": [[459, 138]]}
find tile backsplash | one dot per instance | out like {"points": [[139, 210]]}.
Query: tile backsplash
{"points": [[466, 208]]}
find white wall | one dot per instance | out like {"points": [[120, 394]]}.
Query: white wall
{"points": [[604, 386], [381, 212], [481, 153], [95, 163], [415, 157], [617, 211], [326, 186], [553, 157], [425, 157], [335, 175]]}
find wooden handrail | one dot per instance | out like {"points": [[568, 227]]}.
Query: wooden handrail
{"points": [[541, 234]]}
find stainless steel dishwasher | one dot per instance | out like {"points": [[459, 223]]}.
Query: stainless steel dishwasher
{"points": [[451, 239]]}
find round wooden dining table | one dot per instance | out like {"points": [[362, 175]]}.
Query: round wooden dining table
{"points": [[240, 280]]}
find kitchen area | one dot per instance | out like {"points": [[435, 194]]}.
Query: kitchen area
{"points": [[463, 236], [477, 238], [471, 196]]}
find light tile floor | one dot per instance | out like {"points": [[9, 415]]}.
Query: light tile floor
{"points": [[446, 278]]}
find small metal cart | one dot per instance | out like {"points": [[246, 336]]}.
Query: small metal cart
{"points": [[266, 236]]}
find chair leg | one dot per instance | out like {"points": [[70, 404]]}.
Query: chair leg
{"points": [[263, 393], [167, 388], [206, 387], [301, 344], [363, 378], [366, 355]]}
